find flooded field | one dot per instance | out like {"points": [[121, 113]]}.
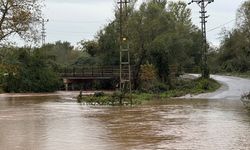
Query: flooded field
{"points": [[57, 122]]}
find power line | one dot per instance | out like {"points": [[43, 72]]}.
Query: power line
{"points": [[66, 35], [68, 32], [85, 22], [221, 25]]}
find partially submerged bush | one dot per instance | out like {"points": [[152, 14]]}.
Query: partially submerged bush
{"points": [[94, 100], [246, 96], [100, 98]]}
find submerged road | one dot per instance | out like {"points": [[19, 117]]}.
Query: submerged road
{"points": [[232, 88]]}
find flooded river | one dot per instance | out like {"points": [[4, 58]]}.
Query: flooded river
{"points": [[59, 123]]}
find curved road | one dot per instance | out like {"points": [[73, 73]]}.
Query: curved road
{"points": [[232, 88]]}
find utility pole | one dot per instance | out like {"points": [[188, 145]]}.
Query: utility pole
{"points": [[204, 66], [44, 30], [125, 67]]}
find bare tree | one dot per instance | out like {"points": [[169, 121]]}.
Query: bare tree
{"points": [[19, 17]]}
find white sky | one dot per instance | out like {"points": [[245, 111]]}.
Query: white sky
{"points": [[76, 20]]}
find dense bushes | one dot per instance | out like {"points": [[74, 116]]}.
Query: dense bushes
{"points": [[199, 85], [149, 80], [32, 75]]}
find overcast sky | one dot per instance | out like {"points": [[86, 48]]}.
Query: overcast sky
{"points": [[76, 20]]}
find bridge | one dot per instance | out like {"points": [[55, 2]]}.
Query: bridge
{"points": [[101, 73], [89, 74]]}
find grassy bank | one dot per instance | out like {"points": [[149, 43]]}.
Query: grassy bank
{"points": [[181, 88]]}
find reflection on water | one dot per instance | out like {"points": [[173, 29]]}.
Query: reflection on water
{"points": [[54, 122]]}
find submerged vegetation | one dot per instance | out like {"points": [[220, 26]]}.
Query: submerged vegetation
{"points": [[99, 98], [245, 98]]}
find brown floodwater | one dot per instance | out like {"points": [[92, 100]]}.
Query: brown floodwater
{"points": [[59, 123]]}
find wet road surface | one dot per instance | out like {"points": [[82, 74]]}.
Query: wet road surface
{"points": [[232, 88]]}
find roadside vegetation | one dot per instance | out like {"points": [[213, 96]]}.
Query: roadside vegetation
{"points": [[183, 87], [233, 55], [26, 70]]}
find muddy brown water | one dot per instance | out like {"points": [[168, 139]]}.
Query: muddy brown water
{"points": [[59, 123]]}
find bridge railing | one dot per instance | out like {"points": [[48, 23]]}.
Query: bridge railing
{"points": [[106, 71]]}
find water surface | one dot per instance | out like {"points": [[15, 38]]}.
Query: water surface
{"points": [[59, 123]]}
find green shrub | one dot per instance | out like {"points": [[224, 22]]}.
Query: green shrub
{"points": [[99, 94], [159, 87], [204, 84], [118, 96], [182, 84], [33, 75]]}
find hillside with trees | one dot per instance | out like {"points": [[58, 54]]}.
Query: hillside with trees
{"points": [[161, 34], [233, 54]]}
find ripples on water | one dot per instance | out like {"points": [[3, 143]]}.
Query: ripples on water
{"points": [[54, 122]]}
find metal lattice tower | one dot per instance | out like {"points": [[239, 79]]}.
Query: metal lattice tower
{"points": [[44, 30], [203, 4], [125, 67]]}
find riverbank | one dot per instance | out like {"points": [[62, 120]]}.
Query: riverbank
{"points": [[189, 84], [189, 87], [73, 94], [182, 87]]}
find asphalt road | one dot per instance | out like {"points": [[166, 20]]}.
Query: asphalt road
{"points": [[232, 88]]}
